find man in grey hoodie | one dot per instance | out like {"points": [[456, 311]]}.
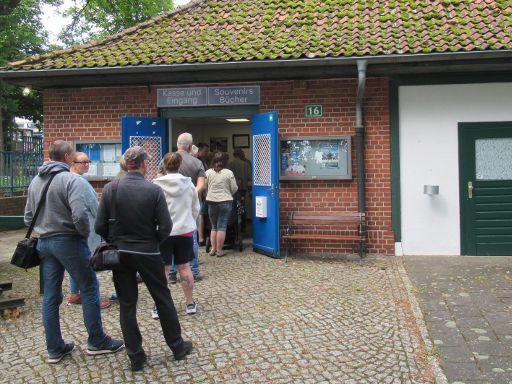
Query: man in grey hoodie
{"points": [[63, 227]]}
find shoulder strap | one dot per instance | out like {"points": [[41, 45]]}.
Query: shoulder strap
{"points": [[115, 184], [41, 202]]}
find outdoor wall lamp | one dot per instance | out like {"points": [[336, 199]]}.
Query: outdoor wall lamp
{"points": [[431, 190], [26, 90]]}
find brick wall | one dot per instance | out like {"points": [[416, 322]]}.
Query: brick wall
{"points": [[95, 114], [338, 98], [12, 206]]}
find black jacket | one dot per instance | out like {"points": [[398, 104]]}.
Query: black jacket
{"points": [[143, 220]]}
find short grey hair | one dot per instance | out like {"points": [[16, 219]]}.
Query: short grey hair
{"points": [[184, 141], [58, 149]]}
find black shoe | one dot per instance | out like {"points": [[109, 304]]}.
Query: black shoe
{"points": [[110, 345], [197, 277], [202, 243], [173, 278], [184, 351], [139, 279], [68, 348], [137, 363]]}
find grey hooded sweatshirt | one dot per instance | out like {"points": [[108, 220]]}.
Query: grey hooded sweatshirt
{"points": [[63, 212]]}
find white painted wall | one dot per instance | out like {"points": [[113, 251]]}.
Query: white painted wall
{"points": [[429, 117]]}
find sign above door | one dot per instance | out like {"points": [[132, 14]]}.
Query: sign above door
{"points": [[208, 96]]}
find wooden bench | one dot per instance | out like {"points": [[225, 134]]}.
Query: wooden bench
{"points": [[9, 303], [339, 226]]}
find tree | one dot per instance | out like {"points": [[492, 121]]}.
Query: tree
{"points": [[21, 35], [95, 19]]}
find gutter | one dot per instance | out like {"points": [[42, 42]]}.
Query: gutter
{"points": [[361, 182], [152, 68]]}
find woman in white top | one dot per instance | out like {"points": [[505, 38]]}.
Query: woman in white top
{"points": [[183, 204], [221, 186]]}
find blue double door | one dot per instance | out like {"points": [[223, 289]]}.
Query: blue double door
{"points": [[152, 134]]}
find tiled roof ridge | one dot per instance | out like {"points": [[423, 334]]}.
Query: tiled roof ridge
{"points": [[106, 40], [213, 31]]}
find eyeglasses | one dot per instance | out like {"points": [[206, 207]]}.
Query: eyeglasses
{"points": [[82, 162]]}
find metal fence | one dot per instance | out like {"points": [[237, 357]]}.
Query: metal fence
{"points": [[17, 169]]}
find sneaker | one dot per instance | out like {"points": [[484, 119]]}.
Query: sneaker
{"points": [[105, 303], [113, 297], [173, 278], [68, 348], [191, 309], [110, 345], [154, 313], [139, 278], [197, 277], [137, 363], [74, 298], [185, 350]]}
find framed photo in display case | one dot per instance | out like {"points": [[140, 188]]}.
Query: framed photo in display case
{"points": [[315, 158]]}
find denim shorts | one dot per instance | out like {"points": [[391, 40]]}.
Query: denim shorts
{"points": [[219, 214]]}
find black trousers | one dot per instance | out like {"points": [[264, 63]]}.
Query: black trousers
{"points": [[151, 269]]}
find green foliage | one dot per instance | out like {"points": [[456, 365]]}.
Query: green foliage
{"points": [[96, 19], [21, 35]]}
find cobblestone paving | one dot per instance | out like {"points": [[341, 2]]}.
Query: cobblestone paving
{"points": [[259, 320]]}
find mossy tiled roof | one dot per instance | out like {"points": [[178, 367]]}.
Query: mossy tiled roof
{"points": [[245, 30]]}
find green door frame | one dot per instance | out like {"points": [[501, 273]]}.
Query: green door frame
{"points": [[467, 134]]}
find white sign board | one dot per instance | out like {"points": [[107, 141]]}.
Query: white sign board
{"points": [[261, 206]]}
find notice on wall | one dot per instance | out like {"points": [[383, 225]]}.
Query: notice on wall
{"points": [[110, 170], [93, 170]]}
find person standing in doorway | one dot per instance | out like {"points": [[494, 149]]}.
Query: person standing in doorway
{"points": [[202, 154], [242, 171], [183, 204], [80, 166], [220, 186], [63, 227], [191, 167], [141, 223]]}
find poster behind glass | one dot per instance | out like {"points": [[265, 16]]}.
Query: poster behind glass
{"points": [[306, 158], [104, 159]]}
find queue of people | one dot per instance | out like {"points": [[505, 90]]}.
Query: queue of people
{"points": [[155, 227]]}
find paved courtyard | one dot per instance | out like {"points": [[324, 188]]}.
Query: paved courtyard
{"points": [[260, 320], [467, 307]]}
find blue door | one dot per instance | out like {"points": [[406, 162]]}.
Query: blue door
{"points": [[150, 134], [265, 184]]}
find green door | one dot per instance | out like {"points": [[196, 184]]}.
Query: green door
{"points": [[485, 168]]}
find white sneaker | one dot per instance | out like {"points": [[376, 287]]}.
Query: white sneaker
{"points": [[154, 313], [191, 309]]}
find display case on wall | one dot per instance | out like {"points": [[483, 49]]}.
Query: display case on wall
{"points": [[104, 159], [310, 158]]}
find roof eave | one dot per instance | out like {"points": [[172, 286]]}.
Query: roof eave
{"points": [[377, 65]]}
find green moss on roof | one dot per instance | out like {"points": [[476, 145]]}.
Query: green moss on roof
{"points": [[238, 30]]}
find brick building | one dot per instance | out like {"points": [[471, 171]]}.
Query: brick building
{"points": [[417, 84]]}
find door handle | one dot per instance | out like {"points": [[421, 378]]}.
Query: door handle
{"points": [[470, 189]]}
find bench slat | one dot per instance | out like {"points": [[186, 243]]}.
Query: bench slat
{"points": [[5, 285], [11, 302], [324, 237]]}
